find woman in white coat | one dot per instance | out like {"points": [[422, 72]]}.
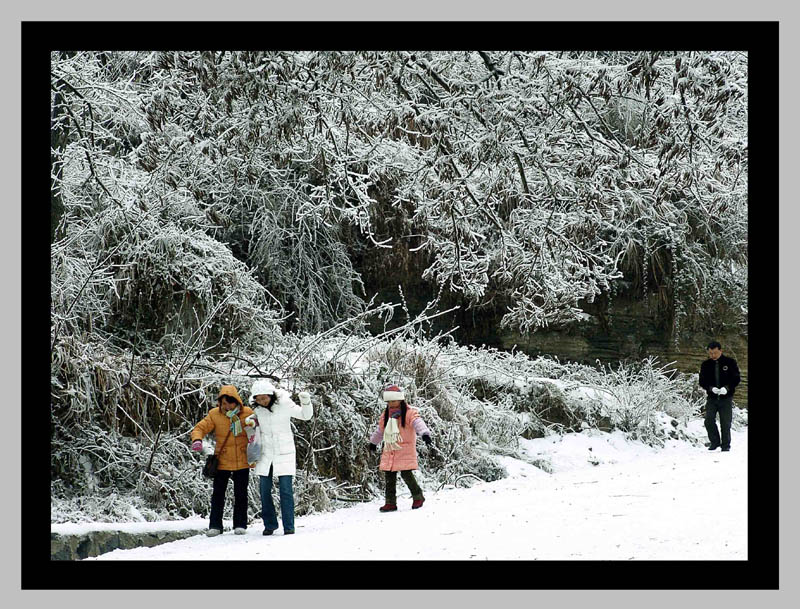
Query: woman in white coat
{"points": [[274, 408]]}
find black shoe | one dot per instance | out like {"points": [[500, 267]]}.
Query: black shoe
{"points": [[725, 449], [267, 532], [289, 532], [714, 447]]}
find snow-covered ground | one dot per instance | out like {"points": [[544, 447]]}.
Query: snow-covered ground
{"points": [[606, 499]]}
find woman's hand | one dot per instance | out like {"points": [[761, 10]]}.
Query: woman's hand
{"points": [[197, 445]]}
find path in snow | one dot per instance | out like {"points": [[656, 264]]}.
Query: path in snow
{"points": [[677, 503]]}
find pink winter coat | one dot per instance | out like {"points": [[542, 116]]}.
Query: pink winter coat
{"points": [[406, 456]]}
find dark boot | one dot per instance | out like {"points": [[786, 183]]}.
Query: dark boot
{"points": [[417, 503], [389, 507]]}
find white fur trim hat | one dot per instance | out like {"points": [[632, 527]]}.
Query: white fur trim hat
{"points": [[261, 387], [392, 392]]}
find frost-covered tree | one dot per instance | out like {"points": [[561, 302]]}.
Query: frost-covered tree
{"points": [[535, 181]]}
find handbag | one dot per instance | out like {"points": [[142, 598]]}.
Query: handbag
{"points": [[212, 461], [210, 468]]}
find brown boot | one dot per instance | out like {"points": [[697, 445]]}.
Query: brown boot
{"points": [[417, 503], [389, 507]]}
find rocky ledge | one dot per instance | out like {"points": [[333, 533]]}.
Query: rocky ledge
{"points": [[94, 543]]}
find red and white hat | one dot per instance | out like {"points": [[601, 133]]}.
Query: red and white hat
{"points": [[392, 392]]}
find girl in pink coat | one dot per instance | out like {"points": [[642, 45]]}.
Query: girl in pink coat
{"points": [[399, 426]]}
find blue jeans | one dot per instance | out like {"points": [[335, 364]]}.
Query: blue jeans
{"points": [[287, 502]]}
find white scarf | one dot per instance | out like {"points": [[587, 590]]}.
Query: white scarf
{"points": [[391, 435]]}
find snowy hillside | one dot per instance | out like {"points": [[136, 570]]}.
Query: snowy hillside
{"points": [[607, 499]]}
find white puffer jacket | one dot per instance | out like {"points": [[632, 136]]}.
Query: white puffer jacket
{"points": [[277, 439]]}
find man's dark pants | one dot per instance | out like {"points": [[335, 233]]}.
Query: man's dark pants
{"points": [[723, 406], [240, 479]]}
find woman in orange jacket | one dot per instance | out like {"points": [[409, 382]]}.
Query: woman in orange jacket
{"points": [[227, 423], [398, 427]]}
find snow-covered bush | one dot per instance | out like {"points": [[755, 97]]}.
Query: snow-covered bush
{"points": [[78, 288], [549, 408], [114, 415], [287, 250], [110, 506], [635, 395], [739, 421], [560, 397], [199, 289]]}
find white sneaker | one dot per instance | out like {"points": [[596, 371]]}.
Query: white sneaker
{"points": [[240, 531], [213, 532]]}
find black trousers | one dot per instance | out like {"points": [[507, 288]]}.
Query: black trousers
{"points": [[408, 478], [240, 480], [723, 406]]}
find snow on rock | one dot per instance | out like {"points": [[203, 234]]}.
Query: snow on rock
{"points": [[589, 395], [82, 528], [589, 447]]}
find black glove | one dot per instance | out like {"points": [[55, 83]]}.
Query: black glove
{"points": [[427, 439], [372, 447]]}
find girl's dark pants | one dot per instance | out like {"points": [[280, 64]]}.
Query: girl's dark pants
{"points": [[408, 478], [240, 479]]}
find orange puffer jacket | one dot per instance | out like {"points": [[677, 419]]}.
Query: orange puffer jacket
{"points": [[234, 454]]}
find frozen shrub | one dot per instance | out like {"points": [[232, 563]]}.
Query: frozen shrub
{"points": [[183, 283], [495, 425], [549, 406], [739, 418], [639, 393], [288, 255], [109, 412]]}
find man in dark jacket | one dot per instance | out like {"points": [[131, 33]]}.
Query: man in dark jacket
{"points": [[719, 376]]}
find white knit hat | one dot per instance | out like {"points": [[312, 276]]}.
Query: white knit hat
{"points": [[392, 392], [261, 387]]}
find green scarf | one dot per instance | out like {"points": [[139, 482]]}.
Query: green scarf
{"points": [[236, 424]]}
